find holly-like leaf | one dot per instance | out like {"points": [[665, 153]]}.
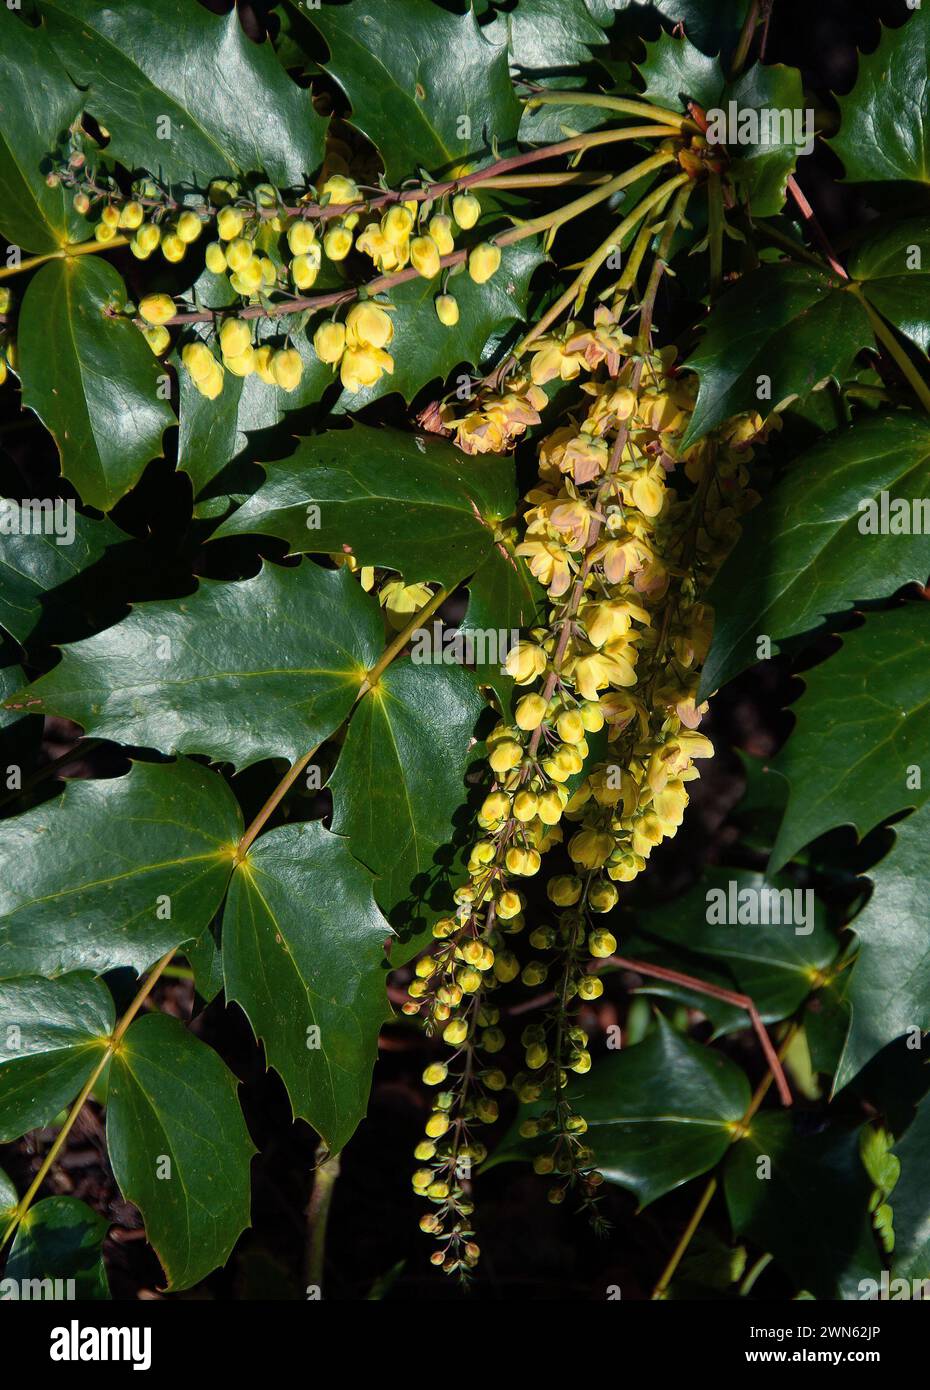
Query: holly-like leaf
{"points": [[804, 554], [8, 1195], [808, 1207], [426, 87], [883, 135], [91, 377], [909, 1200], [652, 1138], [220, 672], [38, 103], [893, 266], [179, 1146], [303, 954], [58, 1250], [774, 963], [53, 1033], [185, 88], [546, 34], [889, 987], [399, 782], [98, 870], [783, 330], [713, 27], [425, 350], [416, 505], [862, 723], [675, 72], [35, 561]]}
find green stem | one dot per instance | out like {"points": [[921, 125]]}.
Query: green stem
{"points": [[605, 103], [324, 1183], [747, 33]]}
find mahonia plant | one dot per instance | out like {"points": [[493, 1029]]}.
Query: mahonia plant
{"points": [[428, 440]]}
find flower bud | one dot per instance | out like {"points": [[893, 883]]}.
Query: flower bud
{"points": [[189, 226], [483, 261], [131, 216], [337, 243], [229, 223], [238, 252], [215, 258], [300, 237], [447, 310], [466, 210], [235, 337], [440, 229], [287, 368], [157, 308], [565, 890], [424, 256], [329, 342]]}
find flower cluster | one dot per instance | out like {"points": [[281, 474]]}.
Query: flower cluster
{"points": [[272, 253], [624, 529]]}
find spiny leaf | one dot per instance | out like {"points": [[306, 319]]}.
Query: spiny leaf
{"points": [[303, 954], [37, 105], [184, 93], [53, 1032], [91, 377], [33, 562], [425, 86], [889, 987], [910, 1200], [787, 328], [883, 135], [862, 723], [62, 1239], [893, 267], [179, 1146], [399, 782], [218, 672], [98, 870], [546, 34], [803, 554]]}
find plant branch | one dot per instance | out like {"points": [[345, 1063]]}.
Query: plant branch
{"points": [[110, 1047], [324, 1184]]}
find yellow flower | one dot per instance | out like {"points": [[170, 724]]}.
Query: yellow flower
{"points": [[440, 229], [287, 369], [505, 755], [189, 226], [400, 601], [337, 243], [367, 325], [215, 258], [396, 225], [238, 253], [300, 237], [305, 268], [229, 223], [424, 256], [483, 261], [157, 337], [447, 310], [329, 342], [530, 712], [235, 337], [363, 366], [466, 210], [339, 189], [525, 662], [157, 308], [591, 848], [263, 363]]}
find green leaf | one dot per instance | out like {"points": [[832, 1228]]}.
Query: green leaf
{"points": [[790, 325], [208, 431], [34, 562], [711, 27], [883, 135], [232, 108], [219, 673], [658, 1114], [52, 1035], [91, 377], [775, 964], [8, 1195], [675, 72], [425, 86], [811, 1210], [889, 986], [862, 722], [37, 105], [910, 1201], [179, 1146], [546, 34], [62, 1239], [303, 954], [893, 266], [98, 868], [400, 781], [803, 556], [425, 350], [416, 505]]}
